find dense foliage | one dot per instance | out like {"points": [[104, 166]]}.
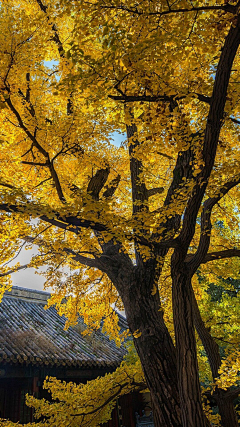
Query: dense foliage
{"points": [[152, 224]]}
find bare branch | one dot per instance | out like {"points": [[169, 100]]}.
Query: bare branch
{"points": [[120, 387]]}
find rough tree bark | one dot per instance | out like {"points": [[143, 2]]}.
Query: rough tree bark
{"points": [[187, 365], [155, 349], [153, 342], [188, 381]]}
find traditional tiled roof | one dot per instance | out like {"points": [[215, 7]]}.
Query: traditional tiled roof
{"points": [[31, 334]]}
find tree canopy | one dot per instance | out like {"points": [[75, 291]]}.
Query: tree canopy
{"points": [[149, 225]]}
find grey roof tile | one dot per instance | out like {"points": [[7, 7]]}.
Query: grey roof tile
{"points": [[29, 333]]}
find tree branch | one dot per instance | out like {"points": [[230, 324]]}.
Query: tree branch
{"points": [[139, 190], [206, 225], [232, 394], [14, 270], [164, 155], [227, 253], [153, 191], [111, 188], [3, 184], [24, 162], [56, 37], [210, 346], [181, 173], [212, 131], [225, 7], [236, 121], [90, 262], [110, 399], [156, 98], [97, 182], [26, 97], [69, 223], [36, 144]]}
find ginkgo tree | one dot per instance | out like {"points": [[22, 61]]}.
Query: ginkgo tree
{"points": [[88, 405], [131, 224]]}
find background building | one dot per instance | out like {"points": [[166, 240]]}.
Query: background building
{"points": [[33, 344]]}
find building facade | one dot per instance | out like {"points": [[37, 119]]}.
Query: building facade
{"points": [[34, 344]]}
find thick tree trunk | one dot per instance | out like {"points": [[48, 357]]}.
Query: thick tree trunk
{"points": [[187, 366], [225, 405], [156, 351], [226, 410], [208, 342]]}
